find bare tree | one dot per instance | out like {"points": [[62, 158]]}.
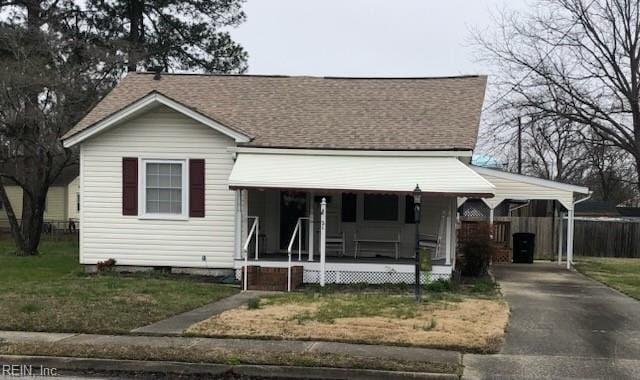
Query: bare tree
{"points": [[551, 150], [574, 61], [608, 172], [58, 57]]}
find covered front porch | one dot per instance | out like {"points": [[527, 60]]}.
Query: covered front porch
{"points": [[368, 238], [349, 217]]}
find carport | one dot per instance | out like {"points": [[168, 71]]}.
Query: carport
{"points": [[509, 186]]}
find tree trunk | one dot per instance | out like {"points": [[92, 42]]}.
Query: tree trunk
{"points": [[136, 10], [32, 221], [16, 233]]}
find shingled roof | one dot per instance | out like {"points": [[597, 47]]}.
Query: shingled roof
{"points": [[320, 112]]}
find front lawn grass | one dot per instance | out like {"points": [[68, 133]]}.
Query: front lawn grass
{"points": [[50, 293], [621, 274], [470, 317]]}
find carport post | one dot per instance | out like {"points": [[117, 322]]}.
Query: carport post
{"points": [[570, 224], [560, 235]]}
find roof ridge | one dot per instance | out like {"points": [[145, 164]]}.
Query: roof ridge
{"points": [[467, 76]]}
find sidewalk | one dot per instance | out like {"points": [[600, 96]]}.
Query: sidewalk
{"points": [[448, 361], [177, 324]]}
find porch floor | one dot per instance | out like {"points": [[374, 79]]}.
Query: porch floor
{"points": [[343, 259]]}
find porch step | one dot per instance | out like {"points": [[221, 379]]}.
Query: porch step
{"points": [[272, 279]]}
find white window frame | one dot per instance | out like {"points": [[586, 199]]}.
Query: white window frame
{"points": [[142, 189]]}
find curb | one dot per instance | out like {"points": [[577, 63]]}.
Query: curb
{"points": [[137, 366]]}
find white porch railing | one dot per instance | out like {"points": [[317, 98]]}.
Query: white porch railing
{"points": [[253, 233], [297, 233]]}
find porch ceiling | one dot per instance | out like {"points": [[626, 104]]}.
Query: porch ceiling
{"points": [[386, 174]]}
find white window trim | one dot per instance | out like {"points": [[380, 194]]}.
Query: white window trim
{"points": [[142, 189]]}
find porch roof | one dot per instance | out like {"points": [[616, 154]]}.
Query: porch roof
{"points": [[370, 173]]}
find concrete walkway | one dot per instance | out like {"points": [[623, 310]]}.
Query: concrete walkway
{"points": [[177, 324], [563, 325], [448, 359]]}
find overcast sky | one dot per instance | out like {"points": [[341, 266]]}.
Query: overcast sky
{"points": [[365, 37]]}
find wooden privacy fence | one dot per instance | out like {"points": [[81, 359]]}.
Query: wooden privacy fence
{"points": [[593, 237], [543, 228], [606, 238]]}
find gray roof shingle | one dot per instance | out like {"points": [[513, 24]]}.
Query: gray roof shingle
{"points": [[320, 112]]}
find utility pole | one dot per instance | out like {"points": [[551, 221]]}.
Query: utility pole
{"points": [[519, 145]]}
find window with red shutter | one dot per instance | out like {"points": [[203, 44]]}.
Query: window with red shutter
{"points": [[129, 186], [196, 188]]}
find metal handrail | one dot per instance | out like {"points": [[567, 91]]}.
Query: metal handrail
{"points": [[254, 231], [296, 233]]}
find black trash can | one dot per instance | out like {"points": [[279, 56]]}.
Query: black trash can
{"points": [[524, 244]]}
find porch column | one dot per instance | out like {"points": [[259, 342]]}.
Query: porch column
{"points": [[491, 218], [238, 225], [244, 216], [311, 218], [570, 225], [560, 238], [449, 248], [323, 238]]}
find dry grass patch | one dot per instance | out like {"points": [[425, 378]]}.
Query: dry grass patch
{"points": [[198, 354], [453, 322]]}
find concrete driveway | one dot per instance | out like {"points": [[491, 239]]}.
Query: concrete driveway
{"points": [[563, 325]]}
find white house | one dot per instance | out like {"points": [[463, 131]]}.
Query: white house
{"points": [[185, 171]]}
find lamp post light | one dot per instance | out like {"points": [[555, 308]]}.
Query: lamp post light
{"points": [[417, 195]]}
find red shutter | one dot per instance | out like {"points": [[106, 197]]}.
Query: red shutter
{"points": [[196, 188], [129, 186]]}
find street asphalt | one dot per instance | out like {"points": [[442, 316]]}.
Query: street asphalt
{"points": [[563, 325]]}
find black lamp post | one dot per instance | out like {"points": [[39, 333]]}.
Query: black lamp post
{"points": [[417, 195]]}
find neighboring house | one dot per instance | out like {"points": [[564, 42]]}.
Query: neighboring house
{"points": [[61, 204], [184, 171]]}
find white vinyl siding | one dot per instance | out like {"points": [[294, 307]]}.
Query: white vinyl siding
{"points": [[131, 240]]}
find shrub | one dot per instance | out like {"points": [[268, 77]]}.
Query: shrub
{"points": [[476, 252]]}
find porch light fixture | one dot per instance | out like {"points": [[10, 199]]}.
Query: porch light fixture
{"points": [[417, 196]]}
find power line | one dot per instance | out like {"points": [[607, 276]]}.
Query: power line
{"points": [[564, 35]]}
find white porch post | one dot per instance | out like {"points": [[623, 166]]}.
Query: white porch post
{"points": [[491, 217], [244, 212], [570, 225], [449, 247], [238, 225], [560, 238], [311, 232], [323, 238]]}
